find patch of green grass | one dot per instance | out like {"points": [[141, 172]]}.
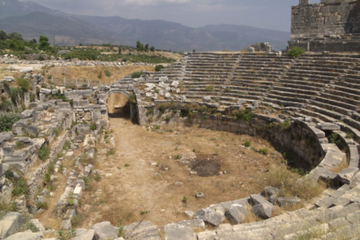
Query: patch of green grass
{"points": [[136, 74], [247, 144], [263, 151], [44, 152], [144, 212]]}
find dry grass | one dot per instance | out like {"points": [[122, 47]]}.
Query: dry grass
{"points": [[251, 217], [85, 72], [343, 165], [291, 185]]}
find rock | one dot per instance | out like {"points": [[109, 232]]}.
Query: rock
{"points": [[26, 236], [10, 224], [167, 95], [84, 234], [175, 231], [263, 210], [69, 155], [210, 216], [199, 195], [26, 70], [195, 224], [38, 225], [175, 84], [105, 230], [190, 214], [9, 79], [288, 202], [178, 183], [236, 214], [207, 99]]}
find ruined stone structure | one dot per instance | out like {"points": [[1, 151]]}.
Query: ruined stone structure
{"points": [[297, 104], [332, 25]]}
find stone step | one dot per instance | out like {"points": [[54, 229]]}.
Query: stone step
{"points": [[331, 105], [339, 96]]}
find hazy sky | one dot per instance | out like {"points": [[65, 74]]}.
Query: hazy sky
{"points": [[270, 14]]}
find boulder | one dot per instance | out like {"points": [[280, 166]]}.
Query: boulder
{"points": [[10, 224], [37, 224], [105, 230], [210, 216], [236, 214], [263, 210], [26, 236], [84, 234]]}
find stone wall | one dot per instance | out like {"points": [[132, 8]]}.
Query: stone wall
{"points": [[37, 177], [332, 25]]}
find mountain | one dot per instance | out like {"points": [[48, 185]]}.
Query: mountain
{"points": [[66, 31], [11, 8], [32, 20]]}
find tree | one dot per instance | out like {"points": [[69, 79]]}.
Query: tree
{"points": [[119, 49], [139, 46], [15, 35], [146, 47], [152, 49], [3, 35], [43, 43]]}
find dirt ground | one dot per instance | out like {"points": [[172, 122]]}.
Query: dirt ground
{"points": [[133, 189]]}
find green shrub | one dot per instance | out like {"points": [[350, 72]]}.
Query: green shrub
{"points": [[210, 88], [295, 51], [245, 115], [136, 74], [263, 151], [185, 199], [77, 220], [51, 168], [110, 152], [158, 68], [107, 73], [149, 112], [44, 152], [42, 205], [49, 76], [93, 126], [7, 120], [67, 145], [247, 144], [19, 145], [20, 187], [286, 125], [24, 84]]}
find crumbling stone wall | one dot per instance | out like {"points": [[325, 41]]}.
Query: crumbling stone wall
{"points": [[332, 25]]}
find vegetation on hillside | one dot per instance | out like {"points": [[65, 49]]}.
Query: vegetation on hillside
{"points": [[13, 43]]}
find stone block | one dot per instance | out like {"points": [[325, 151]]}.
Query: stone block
{"points": [[210, 216], [176, 231], [105, 230], [236, 214], [263, 210], [325, 126], [77, 191], [84, 234], [69, 155], [26, 236], [10, 224]]}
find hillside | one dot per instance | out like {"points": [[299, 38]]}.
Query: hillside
{"points": [[32, 20]]}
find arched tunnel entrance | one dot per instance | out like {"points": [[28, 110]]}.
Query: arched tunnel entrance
{"points": [[119, 106]]}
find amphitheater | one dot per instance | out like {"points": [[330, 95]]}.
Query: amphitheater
{"points": [[316, 96]]}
